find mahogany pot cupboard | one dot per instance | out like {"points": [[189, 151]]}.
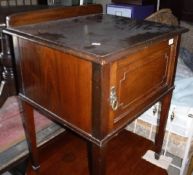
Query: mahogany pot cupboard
{"points": [[93, 73]]}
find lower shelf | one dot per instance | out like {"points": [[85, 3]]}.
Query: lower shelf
{"points": [[68, 155]]}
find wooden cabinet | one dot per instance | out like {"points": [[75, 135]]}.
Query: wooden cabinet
{"points": [[140, 77], [134, 81], [68, 78], [95, 74]]}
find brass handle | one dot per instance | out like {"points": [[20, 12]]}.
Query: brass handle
{"points": [[113, 99], [114, 105], [2, 86]]}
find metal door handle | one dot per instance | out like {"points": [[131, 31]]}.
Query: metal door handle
{"points": [[2, 86], [113, 99]]}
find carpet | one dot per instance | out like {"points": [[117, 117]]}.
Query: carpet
{"points": [[11, 128], [20, 150], [13, 144]]}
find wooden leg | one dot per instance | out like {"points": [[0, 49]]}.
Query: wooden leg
{"points": [[190, 168], [29, 127], [165, 106], [96, 159]]}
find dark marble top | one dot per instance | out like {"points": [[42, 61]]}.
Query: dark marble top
{"points": [[99, 36]]}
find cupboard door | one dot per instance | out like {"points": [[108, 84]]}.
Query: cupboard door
{"points": [[140, 78]]}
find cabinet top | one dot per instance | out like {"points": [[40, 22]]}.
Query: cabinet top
{"points": [[100, 38]]}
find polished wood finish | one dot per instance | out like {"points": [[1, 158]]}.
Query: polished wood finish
{"points": [[58, 74], [31, 136], [9, 10], [22, 15], [124, 156], [51, 14], [165, 105], [134, 93], [80, 73], [97, 157], [139, 80], [190, 167]]}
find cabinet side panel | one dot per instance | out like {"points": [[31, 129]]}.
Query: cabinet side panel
{"points": [[58, 82]]}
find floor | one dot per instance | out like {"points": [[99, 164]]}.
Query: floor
{"points": [[71, 157], [172, 170]]}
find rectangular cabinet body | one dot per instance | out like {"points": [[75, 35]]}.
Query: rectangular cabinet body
{"points": [[96, 73]]}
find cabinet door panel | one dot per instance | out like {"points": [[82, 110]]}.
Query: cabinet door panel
{"points": [[139, 77]]}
